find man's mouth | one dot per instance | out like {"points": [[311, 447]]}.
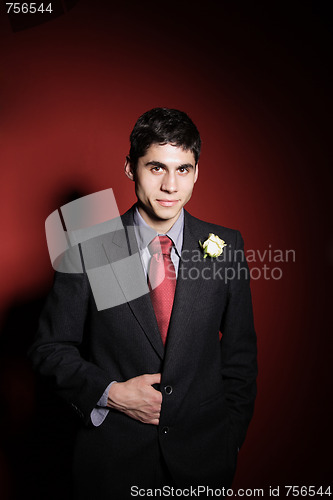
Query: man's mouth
{"points": [[167, 203]]}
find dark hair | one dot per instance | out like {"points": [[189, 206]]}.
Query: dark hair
{"points": [[164, 126]]}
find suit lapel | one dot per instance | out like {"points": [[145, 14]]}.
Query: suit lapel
{"points": [[187, 292], [132, 280]]}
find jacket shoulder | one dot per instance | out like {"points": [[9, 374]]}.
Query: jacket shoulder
{"points": [[203, 228]]}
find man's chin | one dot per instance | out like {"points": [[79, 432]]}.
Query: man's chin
{"points": [[157, 212], [167, 213]]}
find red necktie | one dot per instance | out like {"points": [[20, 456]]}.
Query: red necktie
{"points": [[162, 281]]}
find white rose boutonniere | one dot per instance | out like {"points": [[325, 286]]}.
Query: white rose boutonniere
{"points": [[213, 246]]}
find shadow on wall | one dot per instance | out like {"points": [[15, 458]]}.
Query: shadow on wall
{"points": [[37, 428]]}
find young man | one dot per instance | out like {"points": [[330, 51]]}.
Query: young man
{"points": [[163, 398]]}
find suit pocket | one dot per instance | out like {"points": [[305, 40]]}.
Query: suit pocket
{"points": [[212, 398], [212, 412]]}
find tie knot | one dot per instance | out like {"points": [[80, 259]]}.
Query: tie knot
{"points": [[160, 244]]}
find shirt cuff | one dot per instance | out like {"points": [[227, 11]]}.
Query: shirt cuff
{"points": [[98, 415]]}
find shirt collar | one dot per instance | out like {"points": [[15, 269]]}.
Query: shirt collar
{"points": [[145, 233]]}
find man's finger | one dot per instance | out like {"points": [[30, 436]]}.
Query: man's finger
{"points": [[155, 421], [153, 378]]}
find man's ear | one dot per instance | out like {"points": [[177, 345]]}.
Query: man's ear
{"points": [[128, 167], [196, 173]]}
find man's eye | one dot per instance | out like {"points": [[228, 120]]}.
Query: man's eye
{"points": [[183, 170], [157, 169]]}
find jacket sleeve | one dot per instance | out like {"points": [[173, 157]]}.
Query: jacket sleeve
{"points": [[238, 345], [56, 351]]}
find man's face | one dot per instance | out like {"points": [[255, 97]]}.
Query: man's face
{"points": [[164, 180]]}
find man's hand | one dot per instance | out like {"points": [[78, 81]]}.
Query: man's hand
{"points": [[137, 398]]}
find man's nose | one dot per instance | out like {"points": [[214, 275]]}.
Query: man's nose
{"points": [[169, 183]]}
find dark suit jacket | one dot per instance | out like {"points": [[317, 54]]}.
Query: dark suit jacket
{"points": [[208, 385]]}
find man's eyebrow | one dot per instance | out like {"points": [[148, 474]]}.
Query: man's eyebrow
{"points": [[162, 165]]}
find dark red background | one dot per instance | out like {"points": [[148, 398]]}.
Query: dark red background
{"points": [[254, 78]]}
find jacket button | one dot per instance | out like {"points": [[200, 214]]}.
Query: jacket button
{"points": [[165, 430], [168, 389]]}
